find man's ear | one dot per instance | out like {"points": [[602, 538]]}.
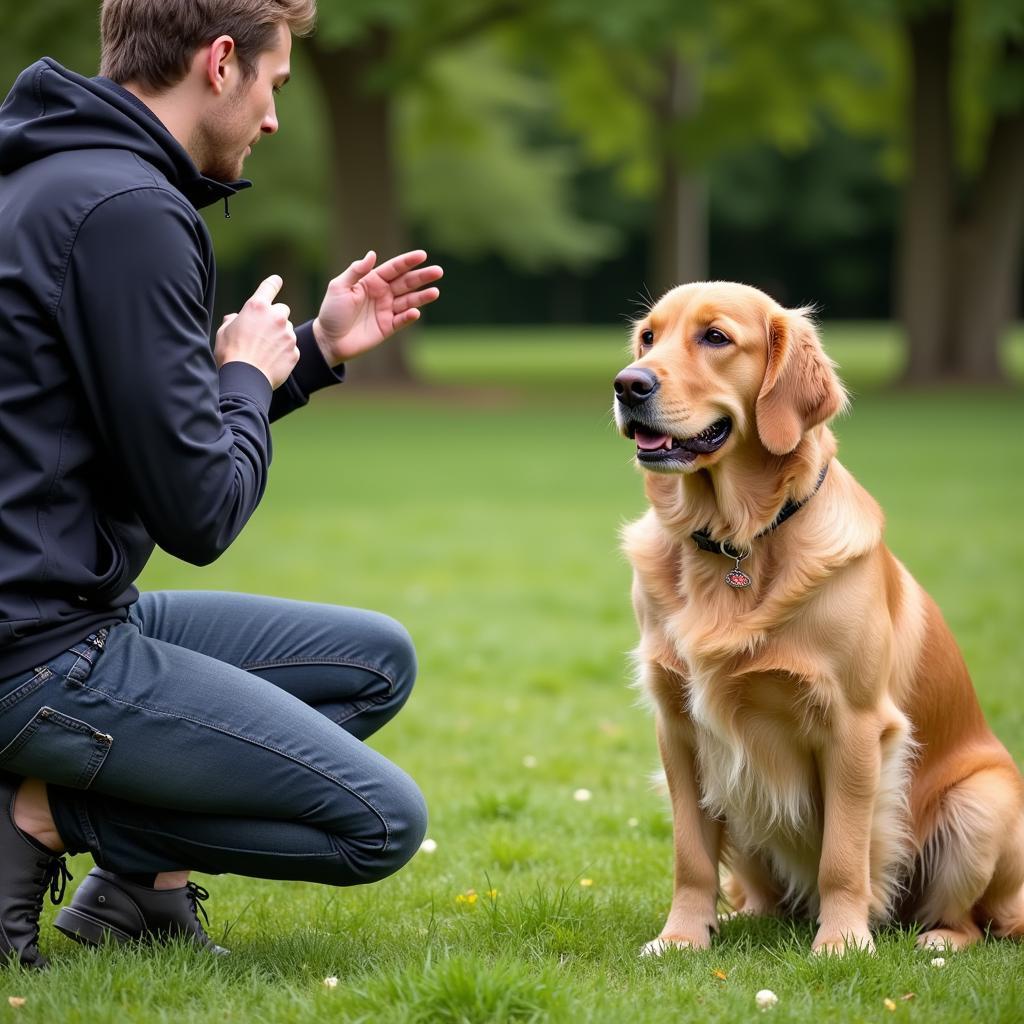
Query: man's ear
{"points": [[221, 60], [800, 388]]}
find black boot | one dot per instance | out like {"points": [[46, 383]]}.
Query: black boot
{"points": [[109, 908], [27, 870]]}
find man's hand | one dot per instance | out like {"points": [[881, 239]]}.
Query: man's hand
{"points": [[366, 304], [260, 334]]}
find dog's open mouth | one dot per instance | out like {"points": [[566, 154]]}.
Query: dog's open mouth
{"points": [[654, 449]]}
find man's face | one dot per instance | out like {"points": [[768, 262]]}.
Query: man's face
{"points": [[244, 113]]}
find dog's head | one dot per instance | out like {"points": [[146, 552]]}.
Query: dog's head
{"points": [[717, 365]]}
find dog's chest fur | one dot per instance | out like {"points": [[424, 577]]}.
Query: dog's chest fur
{"points": [[755, 767], [754, 728]]}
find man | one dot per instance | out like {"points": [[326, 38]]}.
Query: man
{"points": [[169, 731]]}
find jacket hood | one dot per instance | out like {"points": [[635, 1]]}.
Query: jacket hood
{"points": [[51, 109]]}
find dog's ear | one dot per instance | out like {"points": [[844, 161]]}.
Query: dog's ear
{"points": [[800, 388]]}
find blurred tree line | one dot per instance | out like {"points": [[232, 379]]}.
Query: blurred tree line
{"points": [[569, 159]]}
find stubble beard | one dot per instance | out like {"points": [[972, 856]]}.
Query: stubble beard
{"points": [[217, 146]]}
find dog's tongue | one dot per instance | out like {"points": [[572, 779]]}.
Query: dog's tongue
{"points": [[651, 442]]}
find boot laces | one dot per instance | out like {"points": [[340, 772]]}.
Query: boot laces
{"points": [[196, 895], [55, 877]]}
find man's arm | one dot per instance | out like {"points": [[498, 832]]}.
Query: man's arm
{"points": [[311, 373], [191, 443]]}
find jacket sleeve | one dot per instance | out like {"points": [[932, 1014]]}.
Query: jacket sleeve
{"points": [[191, 444], [311, 373]]}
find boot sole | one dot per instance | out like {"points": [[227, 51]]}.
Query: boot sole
{"points": [[89, 930]]}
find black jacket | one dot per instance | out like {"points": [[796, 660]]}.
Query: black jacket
{"points": [[116, 428]]}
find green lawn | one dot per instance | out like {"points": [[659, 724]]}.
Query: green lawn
{"points": [[486, 518]]}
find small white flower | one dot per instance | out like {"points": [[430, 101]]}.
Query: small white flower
{"points": [[939, 961], [633, 822], [429, 846], [582, 795], [330, 982], [529, 761], [766, 999]]}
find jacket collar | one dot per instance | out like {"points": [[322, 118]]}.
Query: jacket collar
{"points": [[199, 189]]}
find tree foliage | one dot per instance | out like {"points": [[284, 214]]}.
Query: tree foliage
{"points": [[486, 121]]}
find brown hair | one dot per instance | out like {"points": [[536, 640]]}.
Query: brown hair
{"points": [[152, 42]]}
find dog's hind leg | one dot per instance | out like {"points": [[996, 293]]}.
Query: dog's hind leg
{"points": [[1003, 902], [748, 886], [973, 863]]}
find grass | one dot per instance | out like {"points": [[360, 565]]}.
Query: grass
{"points": [[489, 527]]}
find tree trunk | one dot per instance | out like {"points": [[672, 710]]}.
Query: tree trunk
{"points": [[958, 275], [680, 227], [989, 255], [927, 230], [364, 186]]}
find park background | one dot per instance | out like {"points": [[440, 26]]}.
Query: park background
{"points": [[566, 161]]}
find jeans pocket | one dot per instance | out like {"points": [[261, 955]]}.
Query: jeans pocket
{"points": [[58, 749], [22, 691]]}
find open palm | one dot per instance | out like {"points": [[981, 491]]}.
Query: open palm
{"points": [[366, 304]]}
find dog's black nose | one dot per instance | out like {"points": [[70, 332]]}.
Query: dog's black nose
{"points": [[635, 385]]}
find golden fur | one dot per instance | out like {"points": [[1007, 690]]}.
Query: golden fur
{"points": [[819, 732]]}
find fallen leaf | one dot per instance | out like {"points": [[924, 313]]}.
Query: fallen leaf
{"points": [[16, 1001], [906, 998], [720, 975]]}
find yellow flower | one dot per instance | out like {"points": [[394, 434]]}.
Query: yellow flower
{"points": [[467, 898], [492, 894], [889, 1005], [586, 882]]}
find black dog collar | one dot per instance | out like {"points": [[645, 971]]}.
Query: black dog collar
{"points": [[705, 542]]}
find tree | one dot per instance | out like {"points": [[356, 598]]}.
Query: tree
{"points": [[667, 90], [372, 58], [365, 54], [960, 260]]}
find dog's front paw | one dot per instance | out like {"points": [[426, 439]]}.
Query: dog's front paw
{"points": [[697, 940], [833, 943]]}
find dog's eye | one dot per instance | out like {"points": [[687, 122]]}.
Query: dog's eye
{"points": [[647, 337], [715, 338]]}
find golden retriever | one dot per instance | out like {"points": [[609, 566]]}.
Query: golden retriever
{"points": [[819, 732]]}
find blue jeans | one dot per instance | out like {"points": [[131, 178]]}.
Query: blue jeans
{"points": [[223, 733]]}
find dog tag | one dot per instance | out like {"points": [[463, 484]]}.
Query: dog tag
{"points": [[736, 577]]}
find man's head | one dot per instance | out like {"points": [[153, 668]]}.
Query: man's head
{"points": [[209, 67]]}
